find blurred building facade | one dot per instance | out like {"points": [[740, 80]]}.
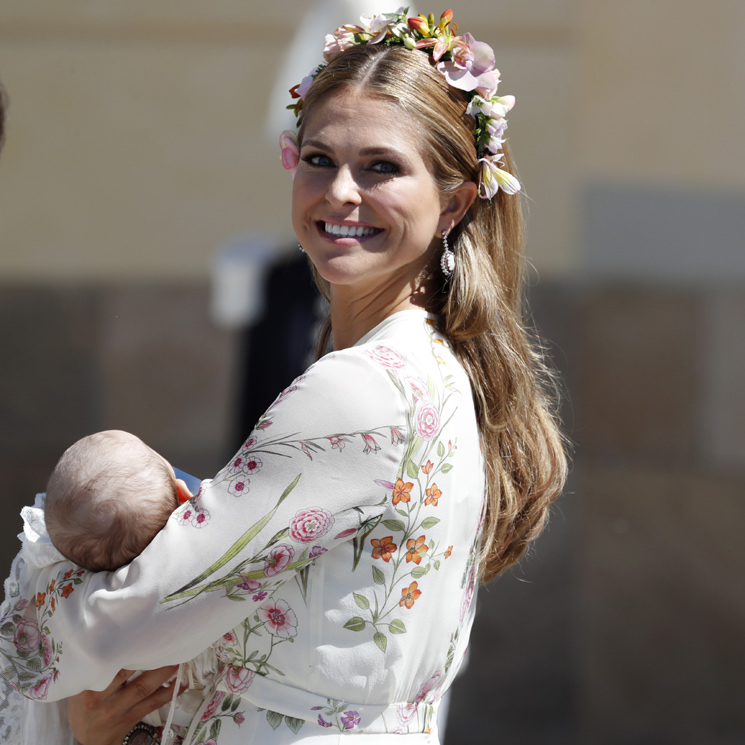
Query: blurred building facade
{"points": [[136, 147]]}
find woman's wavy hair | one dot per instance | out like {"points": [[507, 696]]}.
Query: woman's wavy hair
{"points": [[481, 308]]}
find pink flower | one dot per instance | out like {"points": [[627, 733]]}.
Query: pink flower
{"points": [[493, 178], [200, 518], [278, 560], [309, 525], [217, 699], [430, 685], [21, 604], [46, 647], [238, 486], [406, 712], [337, 442], [336, 43], [472, 66], [39, 691], [279, 618], [322, 721], [350, 719], [386, 356], [396, 436], [251, 585], [418, 388], [252, 465], [238, 718], [185, 517], [370, 444], [239, 679], [290, 150], [27, 636], [316, 551], [427, 421]]}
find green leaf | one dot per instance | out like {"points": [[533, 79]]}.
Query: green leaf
{"points": [[294, 724], [237, 598], [430, 522], [274, 718], [236, 548], [226, 703], [440, 449], [355, 624], [427, 568], [397, 627], [402, 512], [361, 601], [417, 572], [437, 564], [34, 664], [378, 576], [395, 525], [412, 471], [447, 467], [381, 640], [215, 729], [235, 705]]}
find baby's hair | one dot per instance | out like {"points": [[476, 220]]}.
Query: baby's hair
{"points": [[107, 498]]}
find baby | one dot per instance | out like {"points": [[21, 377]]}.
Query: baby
{"points": [[107, 498]]}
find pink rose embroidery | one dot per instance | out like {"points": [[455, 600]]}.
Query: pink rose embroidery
{"points": [[27, 636], [278, 560], [309, 525], [386, 356], [406, 712], [46, 647], [217, 699], [427, 421], [39, 691], [239, 679], [279, 618]]}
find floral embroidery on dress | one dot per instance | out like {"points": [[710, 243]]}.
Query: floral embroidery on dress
{"points": [[32, 668], [337, 715], [222, 706]]}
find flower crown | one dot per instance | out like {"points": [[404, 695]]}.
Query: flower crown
{"points": [[467, 65]]}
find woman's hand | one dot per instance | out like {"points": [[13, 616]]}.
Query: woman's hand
{"points": [[105, 717]]}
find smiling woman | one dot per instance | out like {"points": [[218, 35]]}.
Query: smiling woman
{"points": [[346, 540]]}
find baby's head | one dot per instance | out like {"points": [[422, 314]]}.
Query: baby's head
{"points": [[107, 498]]}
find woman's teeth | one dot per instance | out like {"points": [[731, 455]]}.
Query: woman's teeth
{"points": [[348, 231]]}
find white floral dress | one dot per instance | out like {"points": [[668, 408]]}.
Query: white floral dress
{"points": [[332, 559]]}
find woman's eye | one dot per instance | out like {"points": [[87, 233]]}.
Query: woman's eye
{"points": [[317, 159], [385, 167]]}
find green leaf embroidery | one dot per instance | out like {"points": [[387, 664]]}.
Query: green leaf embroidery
{"points": [[381, 640], [430, 522], [378, 576], [440, 449], [437, 564], [355, 624], [397, 627], [215, 729], [417, 572], [402, 512], [447, 467], [361, 601], [294, 724], [412, 471], [395, 525], [274, 718]]}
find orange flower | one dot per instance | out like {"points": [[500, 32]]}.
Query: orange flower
{"points": [[416, 549], [409, 595], [69, 574], [51, 586], [427, 467], [40, 598], [402, 491], [53, 604], [383, 548], [433, 494], [66, 590], [448, 552]]}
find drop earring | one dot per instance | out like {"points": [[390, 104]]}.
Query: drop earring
{"points": [[300, 248], [447, 261]]}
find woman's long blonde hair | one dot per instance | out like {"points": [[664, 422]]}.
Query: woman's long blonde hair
{"points": [[481, 308]]}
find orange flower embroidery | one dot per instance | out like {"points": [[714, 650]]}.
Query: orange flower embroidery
{"points": [[51, 586], [409, 595], [402, 491], [416, 549], [433, 494], [66, 590], [40, 598], [69, 574], [53, 605], [448, 552], [427, 467], [383, 548]]}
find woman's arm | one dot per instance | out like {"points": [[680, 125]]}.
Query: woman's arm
{"points": [[308, 480]]}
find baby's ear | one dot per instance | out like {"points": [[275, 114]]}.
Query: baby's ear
{"points": [[184, 495]]}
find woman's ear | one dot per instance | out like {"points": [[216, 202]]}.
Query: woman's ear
{"points": [[456, 204], [182, 491]]}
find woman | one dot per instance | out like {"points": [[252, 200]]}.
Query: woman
{"points": [[337, 556]]}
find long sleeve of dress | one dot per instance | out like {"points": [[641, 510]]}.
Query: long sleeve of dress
{"points": [[310, 478]]}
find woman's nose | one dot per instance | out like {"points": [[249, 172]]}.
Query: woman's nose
{"points": [[343, 188]]}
